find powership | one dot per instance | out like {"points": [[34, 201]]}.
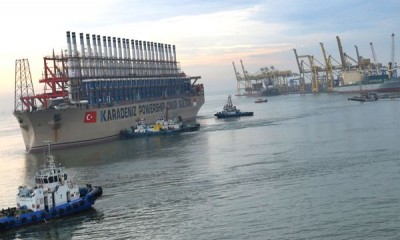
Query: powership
{"points": [[92, 93]]}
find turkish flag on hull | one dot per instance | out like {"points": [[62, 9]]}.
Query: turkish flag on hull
{"points": [[90, 117]]}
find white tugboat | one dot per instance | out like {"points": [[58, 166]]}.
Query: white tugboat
{"points": [[53, 196], [230, 110]]}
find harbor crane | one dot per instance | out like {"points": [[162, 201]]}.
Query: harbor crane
{"points": [[373, 53], [328, 69], [358, 56], [376, 66], [348, 70], [239, 82], [393, 52], [350, 58], [245, 73], [312, 72], [342, 57], [314, 81], [268, 80], [301, 72], [273, 77], [392, 63], [361, 62]]}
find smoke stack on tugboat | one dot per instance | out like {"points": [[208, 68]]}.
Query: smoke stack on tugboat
{"points": [[53, 196]]}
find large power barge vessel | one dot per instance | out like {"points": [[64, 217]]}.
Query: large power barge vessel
{"points": [[92, 94]]}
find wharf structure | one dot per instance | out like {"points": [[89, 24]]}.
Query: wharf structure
{"points": [[268, 81], [349, 74]]}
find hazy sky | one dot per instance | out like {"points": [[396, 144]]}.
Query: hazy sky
{"points": [[209, 35]]}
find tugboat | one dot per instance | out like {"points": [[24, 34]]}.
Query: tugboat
{"points": [[54, 196], [231, 111], [162, 127], [367, 97]]}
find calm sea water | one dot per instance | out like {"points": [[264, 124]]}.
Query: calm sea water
{"points": [[304, 167]]}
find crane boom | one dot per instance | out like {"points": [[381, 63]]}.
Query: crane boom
{"points": [[301, 72], [314, 75], [373, 53], [237, 79], [358, 55], [236, 73], [376, 67], [393, 51], [244, 72], [328, 69], [348, 57], [297, 60], [342, 58], [247, 82]]}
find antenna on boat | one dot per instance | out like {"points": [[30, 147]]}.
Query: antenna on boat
{"points": [[48, 157], [48, 146]]}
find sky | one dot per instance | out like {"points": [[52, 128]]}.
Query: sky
{"points": [[209, 35]]}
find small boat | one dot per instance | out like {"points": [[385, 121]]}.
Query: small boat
{"points": [[54, 196], [231, 111], [367, 97], [260, 100], [161, 127]]}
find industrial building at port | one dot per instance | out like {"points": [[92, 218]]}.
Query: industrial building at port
{"points": [[314, 76]]}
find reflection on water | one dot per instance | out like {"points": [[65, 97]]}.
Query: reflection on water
{"points": [[56, 229], [122, 150], [303, 167]]}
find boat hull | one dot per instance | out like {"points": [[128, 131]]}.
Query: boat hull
{"points": [[79, 126], [129, 133], [229, 115], [387, 86], [41, 216]]}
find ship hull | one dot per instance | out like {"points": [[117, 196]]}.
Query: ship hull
{"points": [[77, 126], [387, 86]]}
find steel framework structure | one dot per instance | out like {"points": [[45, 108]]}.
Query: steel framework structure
{"points": [[23, 86]]}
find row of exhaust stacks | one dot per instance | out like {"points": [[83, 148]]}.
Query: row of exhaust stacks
{"points": [[119, 57], [108, 60]]}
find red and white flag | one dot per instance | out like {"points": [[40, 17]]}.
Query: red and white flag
{"points": [[90, 117]]}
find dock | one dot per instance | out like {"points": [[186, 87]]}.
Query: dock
{"points": [[373, 96]]}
